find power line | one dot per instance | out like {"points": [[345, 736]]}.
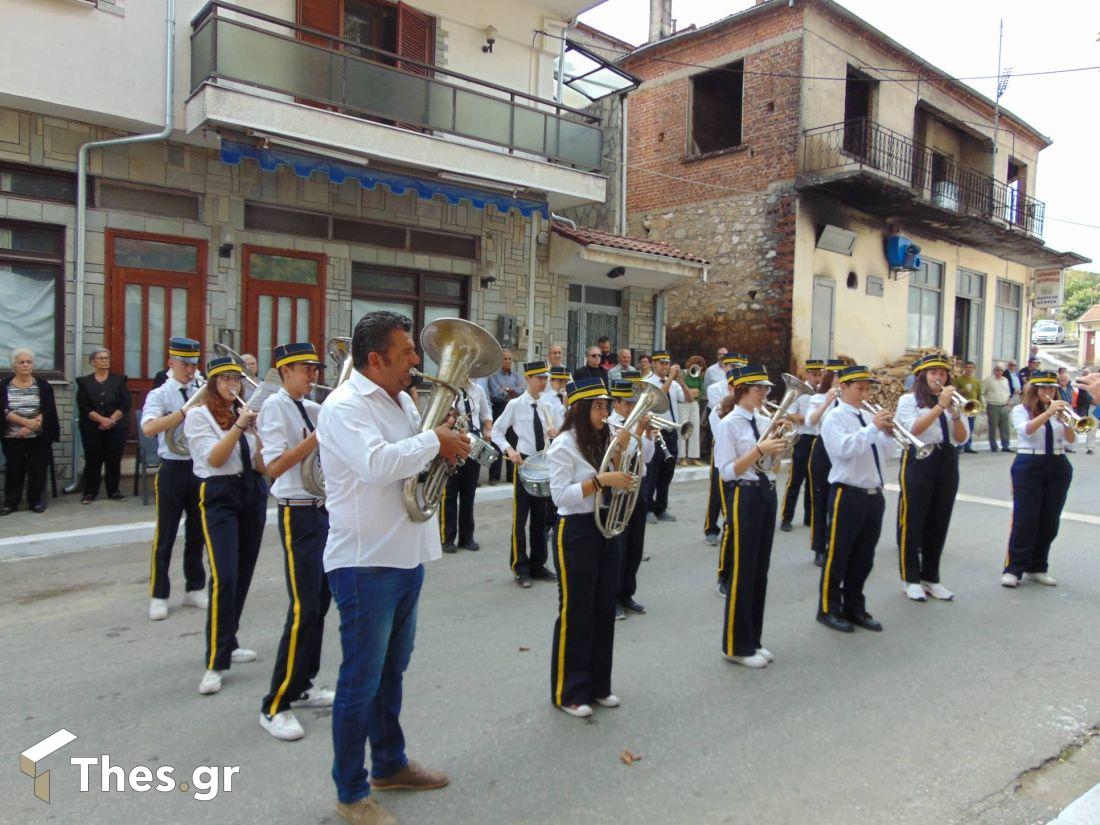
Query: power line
{"points": [[1073, 223]]}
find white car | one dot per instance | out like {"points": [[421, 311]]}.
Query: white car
{"points": [[1048, 332]]}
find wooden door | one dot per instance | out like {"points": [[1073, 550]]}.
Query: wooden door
{"points": [[283, 299]]}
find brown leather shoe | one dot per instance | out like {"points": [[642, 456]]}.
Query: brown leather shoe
{"points": [[412, 777], [365, 812]]}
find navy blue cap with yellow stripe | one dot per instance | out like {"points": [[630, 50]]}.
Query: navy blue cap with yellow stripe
{"points": [[753, 374], [631, 375], [734, 359], [222, 366], [187, 350], [815, 364], [857, 372], [302, 353], [535, 368], [559, 372], [660, 355], [929, 362], [1043, 378], [834, 365], [623, 389], [584, 388]]}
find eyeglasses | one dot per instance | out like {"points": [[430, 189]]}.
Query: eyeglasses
{"points": [[593, 355]]}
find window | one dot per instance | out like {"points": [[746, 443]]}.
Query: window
{"points": [[170, 204], [371, 23], [858, 92], [31, 292], [1006, 321], [925, 287], [40, 184], [716, 107], [593, 311]]}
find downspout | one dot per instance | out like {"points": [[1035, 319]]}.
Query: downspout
{"points": [[82, 206], [531, 274], [622, 173], [561, 59]]}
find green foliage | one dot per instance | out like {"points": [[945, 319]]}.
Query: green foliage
{"points": [[1082, 290]]}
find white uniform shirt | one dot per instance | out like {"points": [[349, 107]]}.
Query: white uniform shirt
{"points": [[163, 400], [203, 433], [479, 409], [801, 407], [520, 417], [369, 445], [648, 447], [568, 471], [733, 439], [908, 412], [816, 400], [715, 374], [716, 392], [848, 444], [282, 428], [675, 394], [555, 404], [1037, 440]]}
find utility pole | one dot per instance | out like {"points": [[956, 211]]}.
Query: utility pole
{"points": [[1002, 84]]}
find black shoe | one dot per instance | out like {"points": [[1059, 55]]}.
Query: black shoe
{"points": [[449, 548], [866, 621], [1007, 449], [970, 450], [995, 449], [6, 511], [620, 614], [470, 545], [39, 508], [87, 499], [117, 497], [666, 516], [785, 526], [819, 559], [835, 623], [523, 581], [544, 575], [632, 606], [806, 522], [723, 589]]}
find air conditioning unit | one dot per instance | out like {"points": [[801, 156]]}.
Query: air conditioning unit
{"points": [[901, 254]]}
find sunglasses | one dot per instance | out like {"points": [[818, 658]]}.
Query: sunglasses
{"points": [[593, 355]]}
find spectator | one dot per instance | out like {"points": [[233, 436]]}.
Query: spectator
{"points": [[591, 367], [692, 409], [645, 365], [504, 385], [1064, 392], [1081, 403], [1015, 384], [251, 368], [625, 363], [103, 400], [555, 356], [907, 384], [971, 389], [30, 428], [607, 360], [996, 393], [715, 372], [1025, 373]]}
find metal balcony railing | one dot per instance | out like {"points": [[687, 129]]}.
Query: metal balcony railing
{"points": [[864, 144], [231, 43]]}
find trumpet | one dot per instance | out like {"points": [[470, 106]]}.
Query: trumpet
{"points": [[902, 436], [1080, 424], [962, 404]]}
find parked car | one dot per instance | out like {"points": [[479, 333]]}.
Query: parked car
{"points": [[1048, 332]]}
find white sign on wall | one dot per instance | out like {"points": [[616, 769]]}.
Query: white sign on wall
{"points": [[1048, 288]]}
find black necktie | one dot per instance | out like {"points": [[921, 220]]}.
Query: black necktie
{"points": [[755, 432], [874, 452], [183, 392], [246, 454], [469, 415], [1048, 432], [305, 416], [943, 429], [540, 440]]}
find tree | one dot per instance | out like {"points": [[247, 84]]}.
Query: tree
{"points": [[1082, 290]]}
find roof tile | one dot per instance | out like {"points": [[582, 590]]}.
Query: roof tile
{"points": [[597, 237]]}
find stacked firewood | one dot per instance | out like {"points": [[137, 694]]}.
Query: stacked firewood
{"points": [[893, 375]]}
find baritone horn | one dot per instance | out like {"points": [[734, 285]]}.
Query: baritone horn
{"points": [[779, 426], [313, 477], [174, 438]]}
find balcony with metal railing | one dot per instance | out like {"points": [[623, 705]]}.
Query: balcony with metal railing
{"points": [[879, 171]]}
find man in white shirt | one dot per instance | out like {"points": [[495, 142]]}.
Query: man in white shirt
{"points": [[555, 356], [996, 394], [369, 432], [176, 488], [616, 372], [716, 372], [531, 419], [857, 443], [457, 508], [667, 377]]}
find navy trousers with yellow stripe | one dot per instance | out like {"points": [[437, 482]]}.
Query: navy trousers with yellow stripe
{"points": [[456, 516], [233, 511], [303, 531], [818, 466], [584, 632], [632, 548], [1039, 487], [528, 512], [855, 523], [714, 502], [928, 488], [748, 536], [799, 473], [176, 491]]}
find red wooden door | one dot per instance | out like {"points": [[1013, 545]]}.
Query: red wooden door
{"points": [[283, 298]]}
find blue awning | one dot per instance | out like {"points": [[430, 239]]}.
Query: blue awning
{"points": [[305, 165]]}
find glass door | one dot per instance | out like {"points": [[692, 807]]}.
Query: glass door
{"points": [[284, 300]]}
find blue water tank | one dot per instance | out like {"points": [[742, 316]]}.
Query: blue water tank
{"points": [[901, 253]]}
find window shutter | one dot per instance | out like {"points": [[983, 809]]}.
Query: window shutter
{"points": [[415, 38], [323, 15]]}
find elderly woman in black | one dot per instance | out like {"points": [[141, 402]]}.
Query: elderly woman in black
{"points": [[103, 400], [30, 427]]}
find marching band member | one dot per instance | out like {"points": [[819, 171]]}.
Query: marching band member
{"points": [[856, 448], [587, 563], [749, 515], [1041, 475], [369, 432], [632, 539], [287, 430], [667, 377], [817, 463], [458, 495], [716, 391], [233, 507], [530, 420], [554, 396], [928, 486], [800, 456], [174, 489]]}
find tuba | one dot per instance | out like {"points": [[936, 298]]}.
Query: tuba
{"points": [[462, 350], [780, 427], [651, 401], [174, 439], [313, 477]]}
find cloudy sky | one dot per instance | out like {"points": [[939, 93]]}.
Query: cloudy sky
{"points": [[960, 37]]}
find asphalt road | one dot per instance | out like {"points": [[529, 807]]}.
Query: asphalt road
{"points": [[933, 721]]}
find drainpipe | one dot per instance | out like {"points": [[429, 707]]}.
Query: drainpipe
{"points": [[561, 58], [622, 173], [82, 206], [531, 274]]}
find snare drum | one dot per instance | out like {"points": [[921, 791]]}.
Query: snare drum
{"points": [[481, 451], [534, 473]]}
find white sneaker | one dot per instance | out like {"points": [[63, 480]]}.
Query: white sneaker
{"points": [[767, 654], [211, 682], [242, 655], [196, 598], [1008, 580], [915, 592], [609, 701], [315, 698], [580, 711], [1041, 578], [755, 660], [937, 591], [283, 726], [158, 609]]}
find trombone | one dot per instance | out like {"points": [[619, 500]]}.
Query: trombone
{"points": [[902, 436]]}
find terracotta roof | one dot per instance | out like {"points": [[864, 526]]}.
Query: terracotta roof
{"points": [[597, 237], [1093, 314]]}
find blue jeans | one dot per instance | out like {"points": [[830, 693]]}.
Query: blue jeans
{"points": [[377, 624], [969, 445]]}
